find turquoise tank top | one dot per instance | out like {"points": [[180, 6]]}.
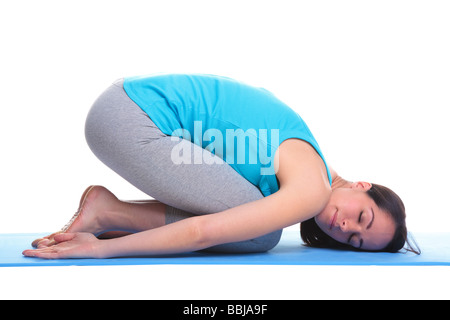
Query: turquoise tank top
{"points": [[241, 124]]}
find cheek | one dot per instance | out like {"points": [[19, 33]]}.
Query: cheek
{"points": [[350, 211], [349, 208]]}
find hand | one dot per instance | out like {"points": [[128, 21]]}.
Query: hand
{"points": [[68, 245]]}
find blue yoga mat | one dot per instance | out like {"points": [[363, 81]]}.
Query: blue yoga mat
{"points": [[290, 251]]}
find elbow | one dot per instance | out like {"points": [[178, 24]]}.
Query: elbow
{"points": [[200, 233]]}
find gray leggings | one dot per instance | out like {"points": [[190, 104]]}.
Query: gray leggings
{"points": [[124, 138]]}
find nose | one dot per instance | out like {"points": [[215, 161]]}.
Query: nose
{"points": [[347, 225]]}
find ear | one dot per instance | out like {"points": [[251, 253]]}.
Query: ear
{"points": [[361, 185]]}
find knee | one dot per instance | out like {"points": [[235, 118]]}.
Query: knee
{"points": [[102, 131], [103, 120], [267, 242], [258, 245], [93, 132]]}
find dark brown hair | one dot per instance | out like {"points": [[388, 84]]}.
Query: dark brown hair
{"points": [[386, 200]]}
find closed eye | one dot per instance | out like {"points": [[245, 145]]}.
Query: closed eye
{"points": [[349, 241], [360, 216]]}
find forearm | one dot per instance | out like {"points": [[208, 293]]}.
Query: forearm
{"points": [[179, 237]]}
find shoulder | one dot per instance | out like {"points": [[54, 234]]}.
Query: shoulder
{"points": [[300, 169]]}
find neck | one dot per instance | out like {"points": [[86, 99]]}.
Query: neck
{"points": [[339, 182]]}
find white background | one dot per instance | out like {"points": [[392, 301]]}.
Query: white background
{"points": [[371, 79]]}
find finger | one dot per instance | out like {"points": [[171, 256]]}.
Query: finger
{"points": [[29, 253], [38, 253], [41, 254]]}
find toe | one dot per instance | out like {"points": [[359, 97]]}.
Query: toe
{"points": [[36, 242]]}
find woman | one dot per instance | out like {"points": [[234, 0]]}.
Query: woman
{"points": [[229, 165]]}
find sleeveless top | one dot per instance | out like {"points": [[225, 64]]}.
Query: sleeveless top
{"points": [[241, 124]]}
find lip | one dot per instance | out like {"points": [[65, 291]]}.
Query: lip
{"points": [[333, 220]]}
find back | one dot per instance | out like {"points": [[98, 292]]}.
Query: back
{"points": [[242, 124]]}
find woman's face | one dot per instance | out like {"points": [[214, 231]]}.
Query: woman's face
{"points": [[352, 217]]}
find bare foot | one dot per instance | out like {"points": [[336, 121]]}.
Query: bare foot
{"points": [[95, 201]]}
